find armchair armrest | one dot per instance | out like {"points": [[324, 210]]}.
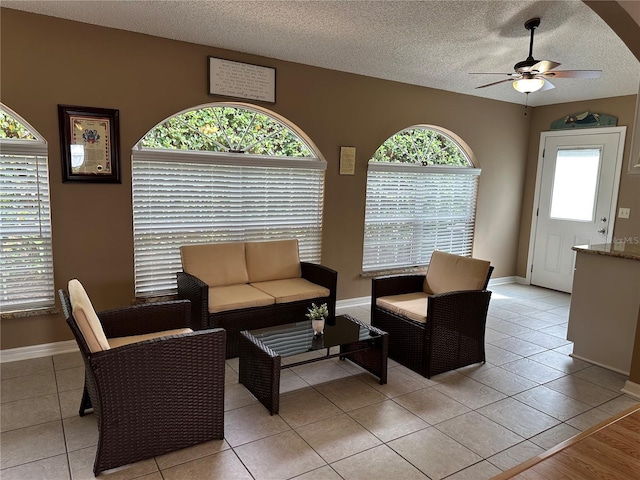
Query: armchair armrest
{"points": [[182, 370], [146, 318], [463, 310], [396, 285], [197, 291]]}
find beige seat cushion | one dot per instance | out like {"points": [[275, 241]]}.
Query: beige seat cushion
{"points": [[216, 263], [410, 305], [86, 318], [275, 260], [292, 289], [119, 341], [450, 273], [232, 297]]}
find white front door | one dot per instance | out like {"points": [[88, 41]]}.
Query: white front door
{"points": [[577, 189]]}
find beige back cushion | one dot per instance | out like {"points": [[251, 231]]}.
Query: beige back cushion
{"points": [[86, 318], [216, 264], [275, 260], [450, 273]]}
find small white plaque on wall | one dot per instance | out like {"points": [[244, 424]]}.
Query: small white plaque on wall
{"points": [[242, 80], [347, 160]]}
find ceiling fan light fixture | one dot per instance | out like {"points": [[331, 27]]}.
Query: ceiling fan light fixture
{"points": [[528, 85]]}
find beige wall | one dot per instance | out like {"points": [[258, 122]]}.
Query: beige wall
{"points": [[629, 192], [47, 61]]}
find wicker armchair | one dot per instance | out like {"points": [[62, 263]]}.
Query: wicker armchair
{"points": [[155, 395], [449, 331]]}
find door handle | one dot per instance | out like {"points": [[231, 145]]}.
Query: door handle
{"points": [[603, 219], [602, 231]]}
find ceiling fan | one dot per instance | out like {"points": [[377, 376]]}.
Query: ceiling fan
{"points": [[533, 75]]}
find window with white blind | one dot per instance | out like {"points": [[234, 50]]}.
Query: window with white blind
{"points": [[222, 173], [26, 258], [421, 197]]}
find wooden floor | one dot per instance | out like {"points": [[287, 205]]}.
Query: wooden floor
{"points": [[609, 450]]}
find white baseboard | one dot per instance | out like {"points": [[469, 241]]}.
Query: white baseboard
{"points": [[354, 302], [502, 281], [632, 389], [599, 364], [522, 281], [36, 351], [44, 350]]}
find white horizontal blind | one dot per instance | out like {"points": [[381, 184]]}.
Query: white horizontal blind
{"points": [[413, 210], [26, 258], [218, 198]]}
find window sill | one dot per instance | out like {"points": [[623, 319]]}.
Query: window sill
{"points": [[163, 298], [419, 270], [29, 313]]}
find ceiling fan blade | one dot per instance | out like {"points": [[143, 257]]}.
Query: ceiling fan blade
{"points": [[544, 66], [495, 83], [547, 86], [573, 74]]}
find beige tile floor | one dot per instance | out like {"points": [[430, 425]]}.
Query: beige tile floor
{"points": [[336, 421]]}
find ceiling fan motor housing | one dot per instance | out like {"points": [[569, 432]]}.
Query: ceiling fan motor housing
{"points": [[525, 65]]}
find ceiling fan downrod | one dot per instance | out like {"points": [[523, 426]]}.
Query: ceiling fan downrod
{"points": [[531, 25]]}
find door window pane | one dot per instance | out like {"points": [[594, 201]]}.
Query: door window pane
{"points": [[575, 183]]}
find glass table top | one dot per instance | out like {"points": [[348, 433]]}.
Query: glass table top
{"points": [[295, 338]]}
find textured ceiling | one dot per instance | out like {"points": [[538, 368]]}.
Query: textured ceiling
{"points": [[430, 43]]}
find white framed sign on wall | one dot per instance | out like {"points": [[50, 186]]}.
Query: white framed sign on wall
{"points": [[242, 80]]}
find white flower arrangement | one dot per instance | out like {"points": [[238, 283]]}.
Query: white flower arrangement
{"points": [[316, 312]]}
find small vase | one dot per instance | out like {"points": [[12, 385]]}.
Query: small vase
{"points": [[318, 326]]}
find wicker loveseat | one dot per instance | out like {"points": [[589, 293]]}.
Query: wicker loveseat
{"points": [[155, 385], [436, 322], [247, 285]]}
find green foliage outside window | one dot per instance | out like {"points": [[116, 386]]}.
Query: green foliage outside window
{"points": [[421, 146], [11, 128], [224, 130]]}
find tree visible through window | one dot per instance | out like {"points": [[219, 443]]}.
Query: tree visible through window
{"points": [[12, 128], [421, 196], [227, 130], [222, 173], [421, 146], [26, 259]]}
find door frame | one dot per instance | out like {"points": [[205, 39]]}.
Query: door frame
{"points": [[536, 197]]}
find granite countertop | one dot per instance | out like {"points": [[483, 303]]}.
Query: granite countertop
{"points": [[630, 251]]}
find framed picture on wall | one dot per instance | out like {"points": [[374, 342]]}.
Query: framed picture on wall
{"points": [[89, 142]]}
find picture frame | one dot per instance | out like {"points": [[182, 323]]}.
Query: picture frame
{"points": [[246, 81], [90, 144]]}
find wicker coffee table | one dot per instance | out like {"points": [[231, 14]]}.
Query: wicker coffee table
{"points": [[261, 352]]}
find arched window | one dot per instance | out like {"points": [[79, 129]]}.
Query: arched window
{"points": [[421, 196], [221, 173], [26, 258]]}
